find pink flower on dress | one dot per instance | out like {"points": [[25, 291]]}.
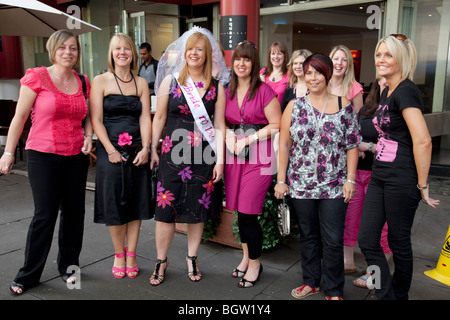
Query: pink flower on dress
{"points": [[176, 91], [124, 139], [159, 187], [166, 144], [209, 186], [184, 109], [185, 173], [194, 138], [205, 201], [164, 198], [211, 94]]}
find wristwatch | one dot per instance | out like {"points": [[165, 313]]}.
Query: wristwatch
{"points": [[370, 146]]}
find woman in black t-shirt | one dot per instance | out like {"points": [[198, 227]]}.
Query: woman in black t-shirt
{"points": [[400, 169]]}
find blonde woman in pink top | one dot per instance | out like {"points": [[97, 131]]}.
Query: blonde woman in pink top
{"points": [[343, 81], [57, 149]]}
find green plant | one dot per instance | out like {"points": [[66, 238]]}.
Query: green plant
{"points": [[268, 220]]}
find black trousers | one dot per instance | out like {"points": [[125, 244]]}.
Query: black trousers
{"points": [[393, 201], [57, 182], [322, 223]]}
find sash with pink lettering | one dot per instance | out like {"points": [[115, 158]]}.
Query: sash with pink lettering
{"points": [[198, 111]]}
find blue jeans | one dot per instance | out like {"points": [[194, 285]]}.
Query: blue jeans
{"points": [[321, 223], [395, 202]]}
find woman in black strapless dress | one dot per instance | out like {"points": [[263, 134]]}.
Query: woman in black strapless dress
{"points": [[120, 104]]}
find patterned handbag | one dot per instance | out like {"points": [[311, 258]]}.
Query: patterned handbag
{"points": [[284, 218]]}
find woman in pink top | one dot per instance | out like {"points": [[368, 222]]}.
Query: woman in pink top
{"points": [[343, 81], [253, 114], [57, 149], [276, 74]]}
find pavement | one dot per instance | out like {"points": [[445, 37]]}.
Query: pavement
{"points": [[282, 265]]}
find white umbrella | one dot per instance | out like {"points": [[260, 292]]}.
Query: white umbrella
{"points": [[34, 18]]}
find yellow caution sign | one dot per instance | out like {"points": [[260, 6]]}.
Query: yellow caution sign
{"points": [[442, 271]]}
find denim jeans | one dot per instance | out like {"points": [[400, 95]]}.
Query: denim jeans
{"points": [[321, 223], [395, 202]]}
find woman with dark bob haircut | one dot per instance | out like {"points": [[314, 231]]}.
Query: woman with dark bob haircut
{"points": [[318, 155]]}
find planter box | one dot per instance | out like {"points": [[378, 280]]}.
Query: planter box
{"points": [[224, 233]]}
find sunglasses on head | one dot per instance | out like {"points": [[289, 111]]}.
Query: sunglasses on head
{"points": [[399, 36], [246, 42]]}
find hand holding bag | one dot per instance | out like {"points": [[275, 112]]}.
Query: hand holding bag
{"points": [[284, 218]]}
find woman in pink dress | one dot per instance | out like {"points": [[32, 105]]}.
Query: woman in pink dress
{"points": [[253, 116]]}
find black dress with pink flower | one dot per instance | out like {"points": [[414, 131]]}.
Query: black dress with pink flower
{"points": [[122, 191], [185, 192]]}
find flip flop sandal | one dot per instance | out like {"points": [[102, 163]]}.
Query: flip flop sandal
{"points": [[296, 292], [364, 278]]}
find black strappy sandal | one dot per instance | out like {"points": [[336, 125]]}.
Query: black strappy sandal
{"points": [[20, 287], [156, 276], [238, 273], [244, 283], [194, 273]]}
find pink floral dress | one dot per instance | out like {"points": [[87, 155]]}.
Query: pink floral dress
{"points": [[185, 191]]}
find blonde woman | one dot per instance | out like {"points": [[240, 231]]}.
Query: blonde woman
{"points": [[343, 81], [120, 108], [399, 177], [296, 86], [191, 158]]}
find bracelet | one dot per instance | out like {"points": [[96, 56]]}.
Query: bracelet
{"points": [[281, 182], [153, 147], [111, 153], [9, 154], [255, 137], [146, 147], [422, 188], [88, 136], [351, 181]]}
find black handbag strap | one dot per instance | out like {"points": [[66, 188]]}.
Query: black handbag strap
{"points": [[83, 83]]}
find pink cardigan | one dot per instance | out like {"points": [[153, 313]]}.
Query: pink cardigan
{"points": [[56, 117]]}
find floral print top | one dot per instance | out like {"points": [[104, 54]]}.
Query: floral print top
{"points": [[185, 192], [318, 161]]}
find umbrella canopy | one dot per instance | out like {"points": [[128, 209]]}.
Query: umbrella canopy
{"points": [[34, 18]]}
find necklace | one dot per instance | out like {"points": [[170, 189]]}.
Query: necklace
{"points": [[128, 81], [66, 85], [319, 125], [199, 84]]}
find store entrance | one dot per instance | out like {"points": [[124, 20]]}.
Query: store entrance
{"points": [[321, 29]]}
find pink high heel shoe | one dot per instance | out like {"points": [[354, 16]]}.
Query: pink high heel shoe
{"points": [[132, 272], [119, 273]]}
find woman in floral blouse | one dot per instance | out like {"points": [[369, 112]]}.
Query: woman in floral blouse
{"points": [[317, 166]]}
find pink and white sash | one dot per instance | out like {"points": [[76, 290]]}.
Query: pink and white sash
{"points": [[198, 111]]}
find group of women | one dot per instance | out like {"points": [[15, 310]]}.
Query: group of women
{"points": [[214, 125]]}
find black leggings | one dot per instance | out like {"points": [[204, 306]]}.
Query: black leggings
{"points": [[251, 234]]}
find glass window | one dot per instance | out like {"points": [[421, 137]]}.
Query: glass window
{"points": [[423, 23]]}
